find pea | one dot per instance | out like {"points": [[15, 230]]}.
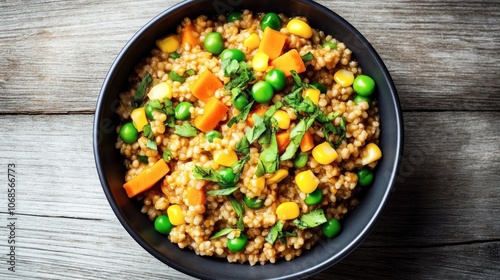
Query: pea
{"points": [[237, 244], [182, 111], [314, 198], [360, 98], [214, 43], [365, 177], [234, 16], [300, 160], [253, 203], [128, 133], [212, 134], [331, 228], [228, 175], [276, 78], [331, 45], [262, 92], [232, 54], [363, 85], [320, 87], [240, 102], [149, 112], [163, 224], [271, 20]]}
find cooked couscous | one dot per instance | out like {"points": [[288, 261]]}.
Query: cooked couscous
{"points": [[248, 136]]}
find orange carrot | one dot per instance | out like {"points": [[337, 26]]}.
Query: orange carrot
{"points": [[272, 42], [288, 61], [146, 179], [283, 139], [259, 111], [206, 85], [307, 142], [195, 196], [214, 112], [189, 36]]}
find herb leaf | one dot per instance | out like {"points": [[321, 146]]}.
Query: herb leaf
{"points": [[242, 147], [311, 219], [242, 116], [190, 72], [185, 130], [222, 232], [169, 111], [175, 55], [148, 133], [143, 159], [269, 159], [238, 167], [307, 57], [240, 211], [296, 136], [176, 77], [151, 144], [167, 154], [230, 67], [226, 191], [258, 128], [141, 91], [242, 77], [274, 232]]}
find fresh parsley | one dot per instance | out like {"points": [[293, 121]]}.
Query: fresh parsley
{"points": [[243, 146], [175, 55], [269, 159], [242, 116], [258, 128], [210, 174], [176, 77], [186, 130], [240, 211], [143, 159], [223, 192], [151, 144], [170, 112], [242, 77], [307, 57], [221, 233], [230, 67], [167, 154], [296, 135], [276, 232], [138, 97], [148, 132], [311, 219]]}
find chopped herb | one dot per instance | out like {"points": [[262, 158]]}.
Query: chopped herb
{"points": [[226, 191], [240, 211], [269, 159], [243, 76], [311, 219], [167, 154], [238, 167], [175, 55], [243, 147], [230, 67], [276, 233], [186, 130], [155, 104], [296, 136], [190, 72], [176, 77], [307, 57], [221, 233], [210, 174], [258, 128], [151, 144], [143, 159], [141, 91], [307, 106], [148, 133], [242, 116], [170, 112]]}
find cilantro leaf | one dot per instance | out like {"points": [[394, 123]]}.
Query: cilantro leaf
{"points": [[269, 159], [296, 135], [167, 154], [277, 233], [258, 128], [141, 91], [230, 67], [311, 219], [170, 112], [176, 77], [143, 159], [226, 191], [242, 147], [242, 116], [221, 233], [240, 211], [238, 167], [242, 77], [151, 144], [185, 130]]}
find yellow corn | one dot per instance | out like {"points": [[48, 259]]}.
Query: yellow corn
{"points": [[175, 215], [324, 153], [168, 44], [282, 118], [299, 28], [226, 157], [287, 210], [344, 78], [260, 62], [258, 184], [370, 153], [278, 176], [139, 119], [313, 94], [252, 42], [160, 91], [306, 181]]}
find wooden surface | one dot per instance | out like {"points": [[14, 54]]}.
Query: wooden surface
{"points": [[443, 221]]}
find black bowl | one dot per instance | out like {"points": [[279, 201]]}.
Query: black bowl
{"points": [[355, 227]]}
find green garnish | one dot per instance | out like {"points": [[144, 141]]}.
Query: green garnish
{"points": [[243, 146], [221, 233], [256, 131], [242, 116], [242, 77], [311, 219], [176, 77], [240, 211], [186, 130], [211, 175], [269, 159], [167, 154], [175, 55], [223, 192], [230, 67], [143, 159], [307, 57], [170, 112], [148, 133], [296, 135], [276, 233], [151, 144], [190, 72], [138, 97]]}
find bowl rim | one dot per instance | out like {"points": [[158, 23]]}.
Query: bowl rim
{"points": [[334, 258]]}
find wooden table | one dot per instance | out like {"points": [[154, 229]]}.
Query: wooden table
{"points": [[443, 221]]}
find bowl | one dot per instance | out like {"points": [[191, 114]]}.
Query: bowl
{"points": [[355, 226]]}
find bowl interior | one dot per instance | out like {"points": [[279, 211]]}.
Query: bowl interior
{"points": [[355, 227]]}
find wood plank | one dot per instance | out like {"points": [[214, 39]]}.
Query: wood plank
{"points": [[443, 56]]}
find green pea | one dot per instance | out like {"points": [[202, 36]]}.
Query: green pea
{"points": [[128, 133], [232, 54], [163, 224], [182, 111], [228, 175], [363, 85], [360, 98], [212, 134], [331, 45], [214, 43], [276, 78], [301, 160], [237, 244], [234, 16], [314, 198], [240, 102], [320, 87], [331, 228], [262, 92], [271, 20], [253, 203], [149, 112], [365, 177]]}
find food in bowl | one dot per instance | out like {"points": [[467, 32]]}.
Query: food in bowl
{"points": [[248, 136]]}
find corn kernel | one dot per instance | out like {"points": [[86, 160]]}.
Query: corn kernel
{"points": [[260, 62], [168, 44], [139, 119], [287, 210], [175, 215], [225, 157], [252, 42], [324, 153], [344, 78], [299, 28], [282, 118], [313, 94], [278, 176], [160, 91], [306, 181], [370, 153], [258, 183]]}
